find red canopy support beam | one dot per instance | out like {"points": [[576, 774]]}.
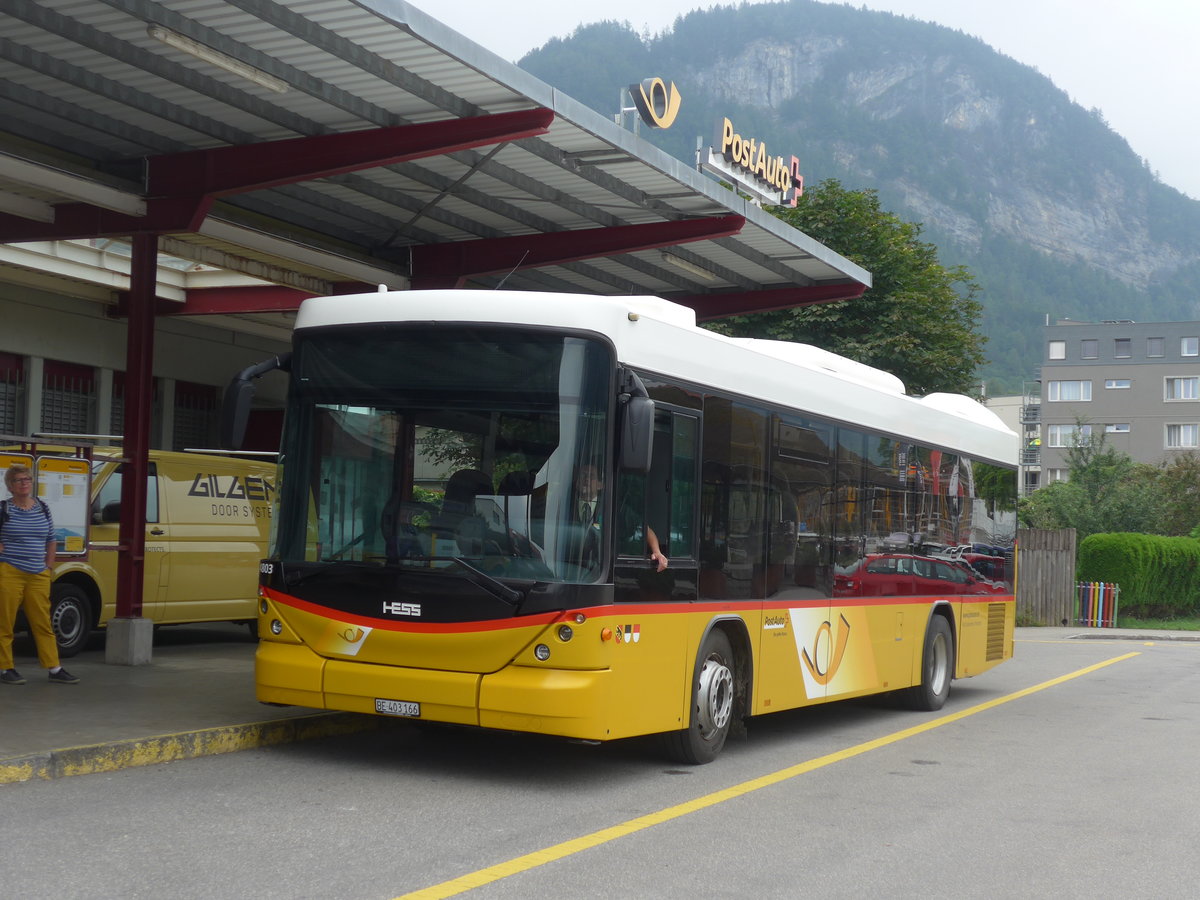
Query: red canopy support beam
{"points": [[221, 301], [236, 300], [252, 167], [739, 303], [75, 221], [181, 187], [139, 396], [232, 301], [450, 265]]}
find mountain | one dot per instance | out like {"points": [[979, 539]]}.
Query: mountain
{"points": [[1051, 210]]}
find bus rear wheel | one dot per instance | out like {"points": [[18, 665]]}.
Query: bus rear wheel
{"points": [[937, 668], [712, 704]]}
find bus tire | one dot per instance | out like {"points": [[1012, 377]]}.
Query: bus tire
{"points": [[713, 690], [70, 617], [937, 668]]}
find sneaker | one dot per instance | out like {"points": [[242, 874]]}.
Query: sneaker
{"points": [[11, 676], [62, 676]]}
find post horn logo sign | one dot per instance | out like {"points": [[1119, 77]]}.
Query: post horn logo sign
{"points": [[824, 643], [657, 104]]}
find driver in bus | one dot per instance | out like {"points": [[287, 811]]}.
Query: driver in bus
{"points": [[587, 503]]}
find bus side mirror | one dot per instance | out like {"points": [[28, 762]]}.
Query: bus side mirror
{"points": [[637, 434], [235, 413], [239, 395]]}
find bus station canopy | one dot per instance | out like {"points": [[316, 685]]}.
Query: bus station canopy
{"points": [[324, 146]]}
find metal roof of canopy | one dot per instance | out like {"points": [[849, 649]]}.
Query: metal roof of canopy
{"points": [[117, 116]]}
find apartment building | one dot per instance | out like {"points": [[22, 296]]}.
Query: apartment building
{"points": [[1138, 383]]}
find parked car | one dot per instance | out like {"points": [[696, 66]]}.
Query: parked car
{"points": [[905, 575]]}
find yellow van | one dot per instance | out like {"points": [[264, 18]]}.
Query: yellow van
{"points": [[207, 525]]}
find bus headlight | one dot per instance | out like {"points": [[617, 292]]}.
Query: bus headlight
{"points": [[565, 633], [542, 652], [262, 606], [276, 626]]}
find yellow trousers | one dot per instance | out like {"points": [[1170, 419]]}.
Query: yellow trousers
{"points": [[24, 590]]}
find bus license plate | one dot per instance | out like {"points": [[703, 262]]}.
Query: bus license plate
{"points": [[397, 707]]}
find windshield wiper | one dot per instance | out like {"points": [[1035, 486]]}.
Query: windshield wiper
{"points": [[497, 589]]}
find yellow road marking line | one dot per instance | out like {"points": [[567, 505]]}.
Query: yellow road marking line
{"points": [[603, 836]]}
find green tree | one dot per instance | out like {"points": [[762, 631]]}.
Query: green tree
{"points": [[1179, 482], [1107, 492], [919, 320], [996, 486]]}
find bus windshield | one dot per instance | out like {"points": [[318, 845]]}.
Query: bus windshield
{"points": [[445, 447]]}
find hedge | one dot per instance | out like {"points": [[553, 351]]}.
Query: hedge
{"points": [[1159, 576]]}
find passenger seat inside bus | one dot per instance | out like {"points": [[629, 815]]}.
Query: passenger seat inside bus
{"points": [[458, 520]]}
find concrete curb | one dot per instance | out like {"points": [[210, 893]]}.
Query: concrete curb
{"points": [[109, 757]]}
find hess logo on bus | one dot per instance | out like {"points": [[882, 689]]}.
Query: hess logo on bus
{"points": [[402, 609]]}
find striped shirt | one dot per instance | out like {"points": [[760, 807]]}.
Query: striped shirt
{"points": [[25, 535]]}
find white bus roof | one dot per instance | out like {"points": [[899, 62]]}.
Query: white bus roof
{"points": [[656, 335]]}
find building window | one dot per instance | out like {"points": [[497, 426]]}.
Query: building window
{"points": [[1089, 349], [1155, 346], [195, 415], [1053, 475], [1189, 346], [1182, 389], [68, 398], [116, 421], [12, 393], [1067, 435], [1116, 384], [1181, 437], [1057, 350], [1068, 390], [1119, 428], [1122, 348]]}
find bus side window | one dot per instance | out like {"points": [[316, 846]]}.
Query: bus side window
{"points": [[665, 499], [684, 440]]}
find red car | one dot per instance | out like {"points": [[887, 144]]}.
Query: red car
{"points": [[906, 575]]}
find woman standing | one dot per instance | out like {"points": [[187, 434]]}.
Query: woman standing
{"points": [[26, 560]]}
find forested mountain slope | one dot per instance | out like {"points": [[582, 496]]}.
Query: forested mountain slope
{"points": [[1048, 206]]}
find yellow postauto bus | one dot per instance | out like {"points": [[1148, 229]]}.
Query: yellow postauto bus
{"points": [[472, 484]]}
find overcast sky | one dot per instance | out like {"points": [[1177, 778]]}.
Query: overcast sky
{"points": [[1138, 63]]}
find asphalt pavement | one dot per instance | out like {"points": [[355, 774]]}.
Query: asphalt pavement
{"points": [[196, 698]]}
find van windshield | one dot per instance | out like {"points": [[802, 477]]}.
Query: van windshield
{"points": [[433, 446]]}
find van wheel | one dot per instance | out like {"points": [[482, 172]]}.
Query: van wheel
{"points": [[712, 704], [70, 617], [937, 668]]}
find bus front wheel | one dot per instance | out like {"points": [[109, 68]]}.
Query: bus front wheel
{"points": [[712, 704], [937, 668]]}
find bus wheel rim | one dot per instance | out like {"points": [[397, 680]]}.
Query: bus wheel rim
{"points": [[940, 668], [715, 697]]}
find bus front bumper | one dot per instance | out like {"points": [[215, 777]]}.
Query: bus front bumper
{"points": [[567, 703]]}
